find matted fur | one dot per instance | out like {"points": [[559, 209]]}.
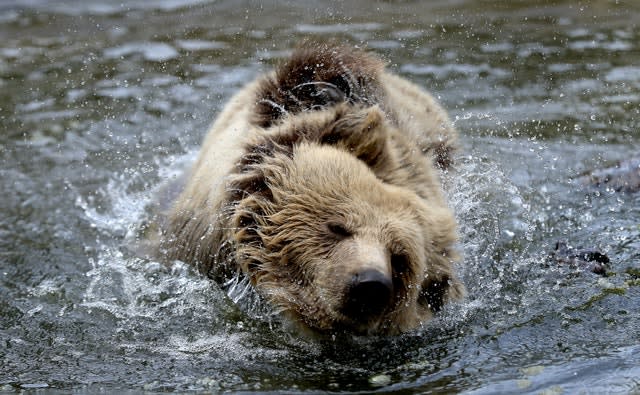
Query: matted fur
{"points": [[270, 188], [315, 77]]}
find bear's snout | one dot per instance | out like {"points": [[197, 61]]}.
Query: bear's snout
{"points": [[368, 294]]}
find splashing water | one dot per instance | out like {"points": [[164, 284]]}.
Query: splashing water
{"points": [[99, 115]]}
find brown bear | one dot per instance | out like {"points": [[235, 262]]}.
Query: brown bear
{"points": [[320, 182]]}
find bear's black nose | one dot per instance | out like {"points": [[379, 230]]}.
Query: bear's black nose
{"points": [[368, 294]]}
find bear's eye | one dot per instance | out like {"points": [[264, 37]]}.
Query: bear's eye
{"points": [[338, 230], [399, 263]]}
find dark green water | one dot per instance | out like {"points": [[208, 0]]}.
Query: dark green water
{"points": [[101, 103]]}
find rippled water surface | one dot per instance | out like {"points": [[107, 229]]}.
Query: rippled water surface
{"points": [[103, 103]]}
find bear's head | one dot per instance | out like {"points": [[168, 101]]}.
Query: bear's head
{"points": [[328, 226]]}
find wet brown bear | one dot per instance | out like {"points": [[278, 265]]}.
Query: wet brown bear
{"points": [[320, 182]]}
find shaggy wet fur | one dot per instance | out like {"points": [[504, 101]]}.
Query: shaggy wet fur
{"points": [[316, 77], [308, 171]]}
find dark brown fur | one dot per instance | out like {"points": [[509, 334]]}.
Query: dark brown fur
{"points": [[315, 77]]}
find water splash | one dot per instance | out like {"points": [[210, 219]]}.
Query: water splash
{"points": [[133, 289], [242, 293], [495, 238], [130, 288]]}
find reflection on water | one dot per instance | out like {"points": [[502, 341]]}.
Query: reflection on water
{"points": [[102, 104]]}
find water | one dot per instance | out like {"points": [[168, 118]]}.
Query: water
{"points": [[102, 104]]}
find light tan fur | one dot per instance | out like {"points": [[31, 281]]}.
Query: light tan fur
{"points": [[264, 200]]}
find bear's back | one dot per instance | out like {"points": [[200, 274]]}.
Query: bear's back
{"points": [[222, 148]]}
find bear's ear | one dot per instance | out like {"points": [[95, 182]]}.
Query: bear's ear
{"points": [[363, 133]]}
